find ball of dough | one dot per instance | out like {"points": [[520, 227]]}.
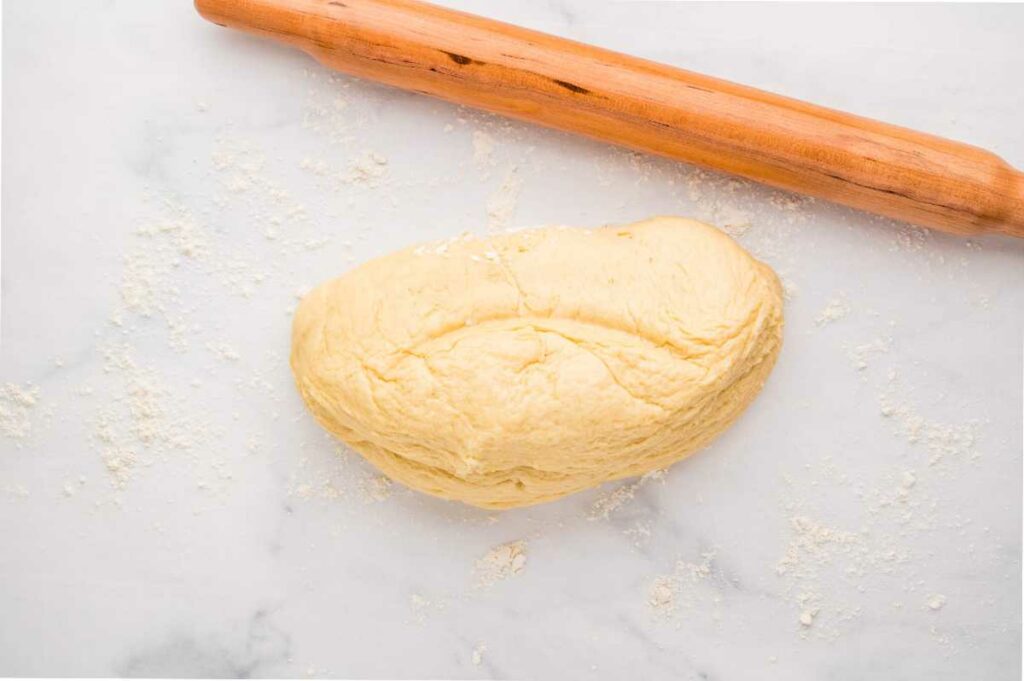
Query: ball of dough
{"points": [[519, 368]]}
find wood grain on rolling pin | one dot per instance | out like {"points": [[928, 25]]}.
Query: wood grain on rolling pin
{"points": [[644, 105]]}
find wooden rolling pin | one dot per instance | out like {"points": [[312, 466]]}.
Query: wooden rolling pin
{"points": [[648, 106]]}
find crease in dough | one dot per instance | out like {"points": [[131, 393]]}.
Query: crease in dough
{"points": [[519, 368]]}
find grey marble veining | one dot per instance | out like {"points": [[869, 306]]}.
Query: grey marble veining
{"points": [[170, 188]]}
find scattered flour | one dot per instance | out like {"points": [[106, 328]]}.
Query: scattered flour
{"points": [[501, 205], [620, 496], [500, 563], [662, 594], [859, 354], [789, 287], [420, 607], [241, 170], [478, 654], [317, 166], [15, 490], [141, 421], [311, 481], [908, 237], [942, 440], [731, 220], [139, 284], [834, 310], [182, 234], [813, 544], [119, 461], [376, 488], [639, 533], [483, 149], [368, 169], [326, 110], [224, 351], [16, 406], [324, 489], [668, 593], [824, 568]]}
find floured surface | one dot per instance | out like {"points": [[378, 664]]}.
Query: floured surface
{"points": [[169, 508]]}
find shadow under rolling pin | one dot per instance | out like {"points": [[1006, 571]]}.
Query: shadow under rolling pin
{"points": [[532, 76]]}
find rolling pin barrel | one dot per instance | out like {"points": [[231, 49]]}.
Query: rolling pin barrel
{"points": [[647, 106]]}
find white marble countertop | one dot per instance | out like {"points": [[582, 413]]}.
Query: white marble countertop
{"points": [[168, 507]]}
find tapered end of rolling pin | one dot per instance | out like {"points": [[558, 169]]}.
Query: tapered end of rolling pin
{"points": [[208, 11], [281, 20]]}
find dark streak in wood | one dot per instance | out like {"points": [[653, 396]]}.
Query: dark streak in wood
{"points": [[325, 45], [337, 4], [571, 87], [460, 59], [702, 89], [889, 191]]}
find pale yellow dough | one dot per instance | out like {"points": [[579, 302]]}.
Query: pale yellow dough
{"points": [[516, 369]]}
